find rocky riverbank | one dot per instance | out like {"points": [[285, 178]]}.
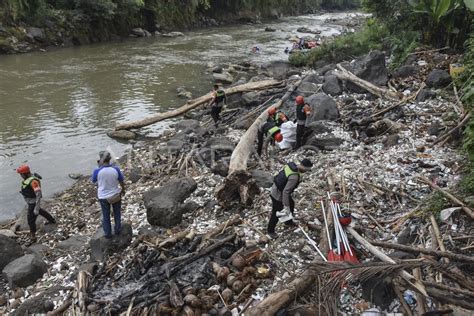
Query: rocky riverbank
{"points": [[184, 251]]}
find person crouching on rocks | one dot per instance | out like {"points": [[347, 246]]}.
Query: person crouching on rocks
{"points": [[31, 191], [110, 188], [284, 183], [269, 132]]}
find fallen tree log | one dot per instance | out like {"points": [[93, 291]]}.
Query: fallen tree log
{"points": [[191, 104], [345, 74], [239, 185], [426, 251]]}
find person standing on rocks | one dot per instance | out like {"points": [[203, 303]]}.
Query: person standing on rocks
{"points": [[302, 111], [284, 183], [31, 191], [219, 99], [110, 188]]}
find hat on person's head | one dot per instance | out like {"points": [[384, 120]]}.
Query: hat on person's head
{"points": [[104, 156], [306, 163]]}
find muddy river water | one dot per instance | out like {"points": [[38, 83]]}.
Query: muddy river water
{"points": [[56, 106]]}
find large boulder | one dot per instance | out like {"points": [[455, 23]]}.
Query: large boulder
{"points": [[101, 246], [36, 34], [307, 88], [250, 98], [405, 71], [41, 303], [122, 134], [371, 68], [164, 205], [215, 149], [74, 243], [323, 107], [438, 79], [9, 251], [313, 78], [224, 77], [262, 178], [425, 94], [332, 85], [277, 69], [24, 271]]}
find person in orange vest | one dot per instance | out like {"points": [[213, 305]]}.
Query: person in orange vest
{"points": [[303, 110], [31, 191]]}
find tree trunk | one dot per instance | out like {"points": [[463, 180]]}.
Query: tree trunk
{"points": [[191, 104], [345, 74]]}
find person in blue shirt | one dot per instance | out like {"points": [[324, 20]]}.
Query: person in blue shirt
{"points": [[110, 188]]}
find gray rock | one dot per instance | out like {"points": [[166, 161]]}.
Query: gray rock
{"points": [[215, 149], [397, 254], [75, 176], [39, 304], [332, 85], [391, 140], [172, 34], [220, 168], [326, 143], [313, 78], [425, 94], [187, 125], [318, 127], [405, 71], [38, 250], [74, 243], [262, 178], [435, 128], [224, 77], [277, 69], [250, 98], [307, 88], [36, 34], [183, 93], [304, 29], [9, 250], [135, 174], [269, 29], [24, 271], [379, 291], [122, 134], [139, 32], [217, 69], [323, 107], [8, 233], [174, 146], [323, 70], [164, 205], [101, 246], [371, 68], [438, 79]]}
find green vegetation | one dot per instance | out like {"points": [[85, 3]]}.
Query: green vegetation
{"points": [[467, 83], [434, 203]]}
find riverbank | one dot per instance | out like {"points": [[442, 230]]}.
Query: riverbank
{"points": [[373, 152], [26, 28]]}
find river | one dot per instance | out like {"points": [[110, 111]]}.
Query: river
{"points": [[56, 106]]}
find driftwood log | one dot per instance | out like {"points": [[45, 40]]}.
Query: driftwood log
{"points": [[239, 185], [191, 104], [345, 74], [426, 251]]}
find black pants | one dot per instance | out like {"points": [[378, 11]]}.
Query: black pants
{"points": [[31, 217], [300, 129], [260, 142], [215, 111], [277, 206]]}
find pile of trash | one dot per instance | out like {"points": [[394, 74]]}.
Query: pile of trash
{"points": [[185, 252]]}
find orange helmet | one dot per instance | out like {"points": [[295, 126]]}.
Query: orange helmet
{"points": [[278, 137], [299, 100], [271, 111], [23, 169]]}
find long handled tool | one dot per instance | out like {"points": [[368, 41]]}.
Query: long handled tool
{"points": [[313, 243], [332, 255]]}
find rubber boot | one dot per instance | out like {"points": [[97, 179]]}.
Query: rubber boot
{"points": [[33, 238]]}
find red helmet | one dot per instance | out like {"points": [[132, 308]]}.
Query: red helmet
{"points": [[278, 137], [299, 100], [271, 111], [23, 169]]}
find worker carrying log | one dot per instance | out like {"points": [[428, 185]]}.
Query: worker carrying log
{"points": [[303, 110], [219, 99], [283, 205], [278, 117], [269, 132]]}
